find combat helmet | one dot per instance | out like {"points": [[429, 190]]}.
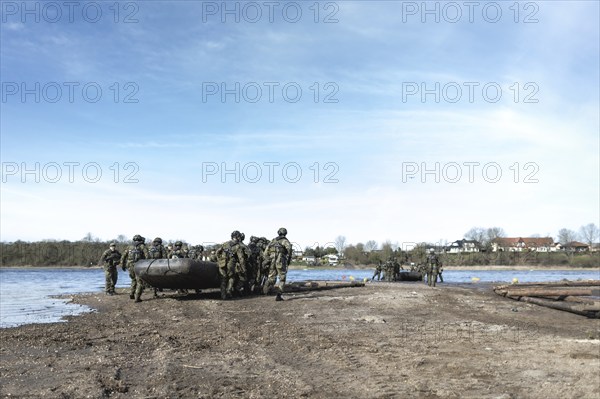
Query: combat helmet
{"points": [[137, 237], [178, 243], [236, 234], [157, 240], [282, 232]]}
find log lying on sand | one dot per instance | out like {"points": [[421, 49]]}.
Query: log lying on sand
{"points": [[590, 310], [579, 297], [299, 286]]}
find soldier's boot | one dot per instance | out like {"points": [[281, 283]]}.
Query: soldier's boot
{"points": [[156, 293], [266, 288], [223, 289]]}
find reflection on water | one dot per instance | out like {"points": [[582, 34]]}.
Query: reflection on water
{"points": [[29, 295]]}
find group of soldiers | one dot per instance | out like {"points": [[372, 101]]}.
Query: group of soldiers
{"points": [[430, 270], [253, 268], [244, 269], [391, 270], [112, 258]]}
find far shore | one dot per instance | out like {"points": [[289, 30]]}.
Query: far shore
{"points": [[356, 267]]}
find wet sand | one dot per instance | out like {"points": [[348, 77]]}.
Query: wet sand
{"points": [[384, 340]]}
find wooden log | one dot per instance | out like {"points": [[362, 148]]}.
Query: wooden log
{"points": [[550, 291], [300, 286], [592, 311], [565, 283]]}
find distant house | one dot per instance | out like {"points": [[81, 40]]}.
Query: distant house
{"points": [[463, 246], [333, 260], [310, 260], [520, 244], [576, 246], [595, 247]]}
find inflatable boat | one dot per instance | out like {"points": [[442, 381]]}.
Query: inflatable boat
{"points": [[178, 273]]}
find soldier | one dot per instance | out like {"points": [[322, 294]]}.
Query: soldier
{"points": [[156, 251], [136, 251], [254, 264], [177, 252], [433, 267], [390, 268], [265, 262], [279, 252], [378, 270], [192, 252], [110, 258], [230, 257], [241, 273]]}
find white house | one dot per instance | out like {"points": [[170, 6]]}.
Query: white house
{"points": [[463, 246], [520, 244]]}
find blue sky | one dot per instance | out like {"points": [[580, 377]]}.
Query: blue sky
{"points": [[161, 122]]}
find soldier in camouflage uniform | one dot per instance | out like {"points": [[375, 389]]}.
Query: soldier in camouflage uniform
{"points": [[136, 251], [389, 267], [195, 252], [177, 251], [230, 257], [111, 259], [279, 252], [156, 251], [378, 270], [433, 265], [242, 274], [265, 262], [254, 264]]}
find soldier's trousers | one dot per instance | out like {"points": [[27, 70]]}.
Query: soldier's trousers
{"points": [[227, 279], [133, 278], [277, 269], [110, 278], [432, 277], [377, 274]]}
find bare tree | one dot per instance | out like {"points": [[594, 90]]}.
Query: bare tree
{"points": [[122, 238], [340, 244], [477, 234], [494, 232], [371, 245], [589, 233], [566, 236], [387, 249]]}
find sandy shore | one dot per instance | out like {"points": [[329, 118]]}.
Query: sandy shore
{"points": [[385, 340]]}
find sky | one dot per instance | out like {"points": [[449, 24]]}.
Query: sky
{"points": [[373, 120]]}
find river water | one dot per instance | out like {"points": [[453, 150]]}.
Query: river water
{"points": [[33, 295]]}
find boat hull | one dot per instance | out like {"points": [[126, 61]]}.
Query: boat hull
{"points": [[178, 273], [410, 276]]}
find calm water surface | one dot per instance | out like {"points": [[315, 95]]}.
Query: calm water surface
{"points": [[31, 295]]}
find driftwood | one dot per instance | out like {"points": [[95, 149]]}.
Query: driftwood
{"points": [[320, 285], [589, 310], [579, 297]]}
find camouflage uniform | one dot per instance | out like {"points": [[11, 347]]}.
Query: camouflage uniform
{"points": [[195, 252], [111, 259], [433, 265], [177, 252], [230, 257], [156, 251], [264, 262], [378, 270], [390, 269], [241, 272], [136, 251], [279, 252], [254, 264]]}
